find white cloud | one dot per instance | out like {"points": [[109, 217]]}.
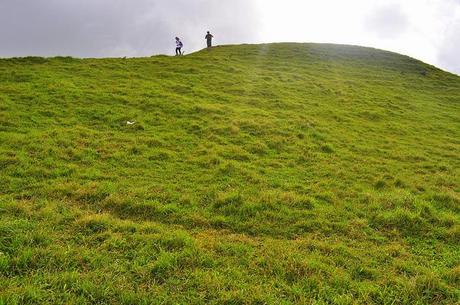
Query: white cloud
{"points": [[424, 29], [388, 22]]}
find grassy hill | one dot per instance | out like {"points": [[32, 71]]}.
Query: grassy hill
{"points": [[256, 174]]}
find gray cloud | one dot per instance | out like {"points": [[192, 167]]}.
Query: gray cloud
{"points": [[388, 21], [103, 28], [449, 52], [99, 28]]}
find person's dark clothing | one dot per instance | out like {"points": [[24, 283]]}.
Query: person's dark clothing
{"points": [[209, 39]]}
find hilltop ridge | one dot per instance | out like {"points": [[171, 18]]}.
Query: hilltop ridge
{"points": [[252, 174]]}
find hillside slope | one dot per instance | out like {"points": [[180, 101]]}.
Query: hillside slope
{"points": [[255, 174]]}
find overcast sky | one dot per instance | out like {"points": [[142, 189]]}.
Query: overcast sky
{"points": [[425, 29]]}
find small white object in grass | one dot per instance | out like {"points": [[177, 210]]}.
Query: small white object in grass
{"points": [[130, 123]]}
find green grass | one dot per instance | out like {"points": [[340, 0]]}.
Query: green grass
{"points": [[256, 174]]}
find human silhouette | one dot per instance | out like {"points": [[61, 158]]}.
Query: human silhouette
{"points": [[179, 46], [209, 38]]}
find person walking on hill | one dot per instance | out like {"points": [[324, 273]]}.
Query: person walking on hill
{"points": [[209, 38], [179, 46]]}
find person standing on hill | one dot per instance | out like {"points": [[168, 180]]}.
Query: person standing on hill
{"points": [[179, 46], [209, 38]]}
